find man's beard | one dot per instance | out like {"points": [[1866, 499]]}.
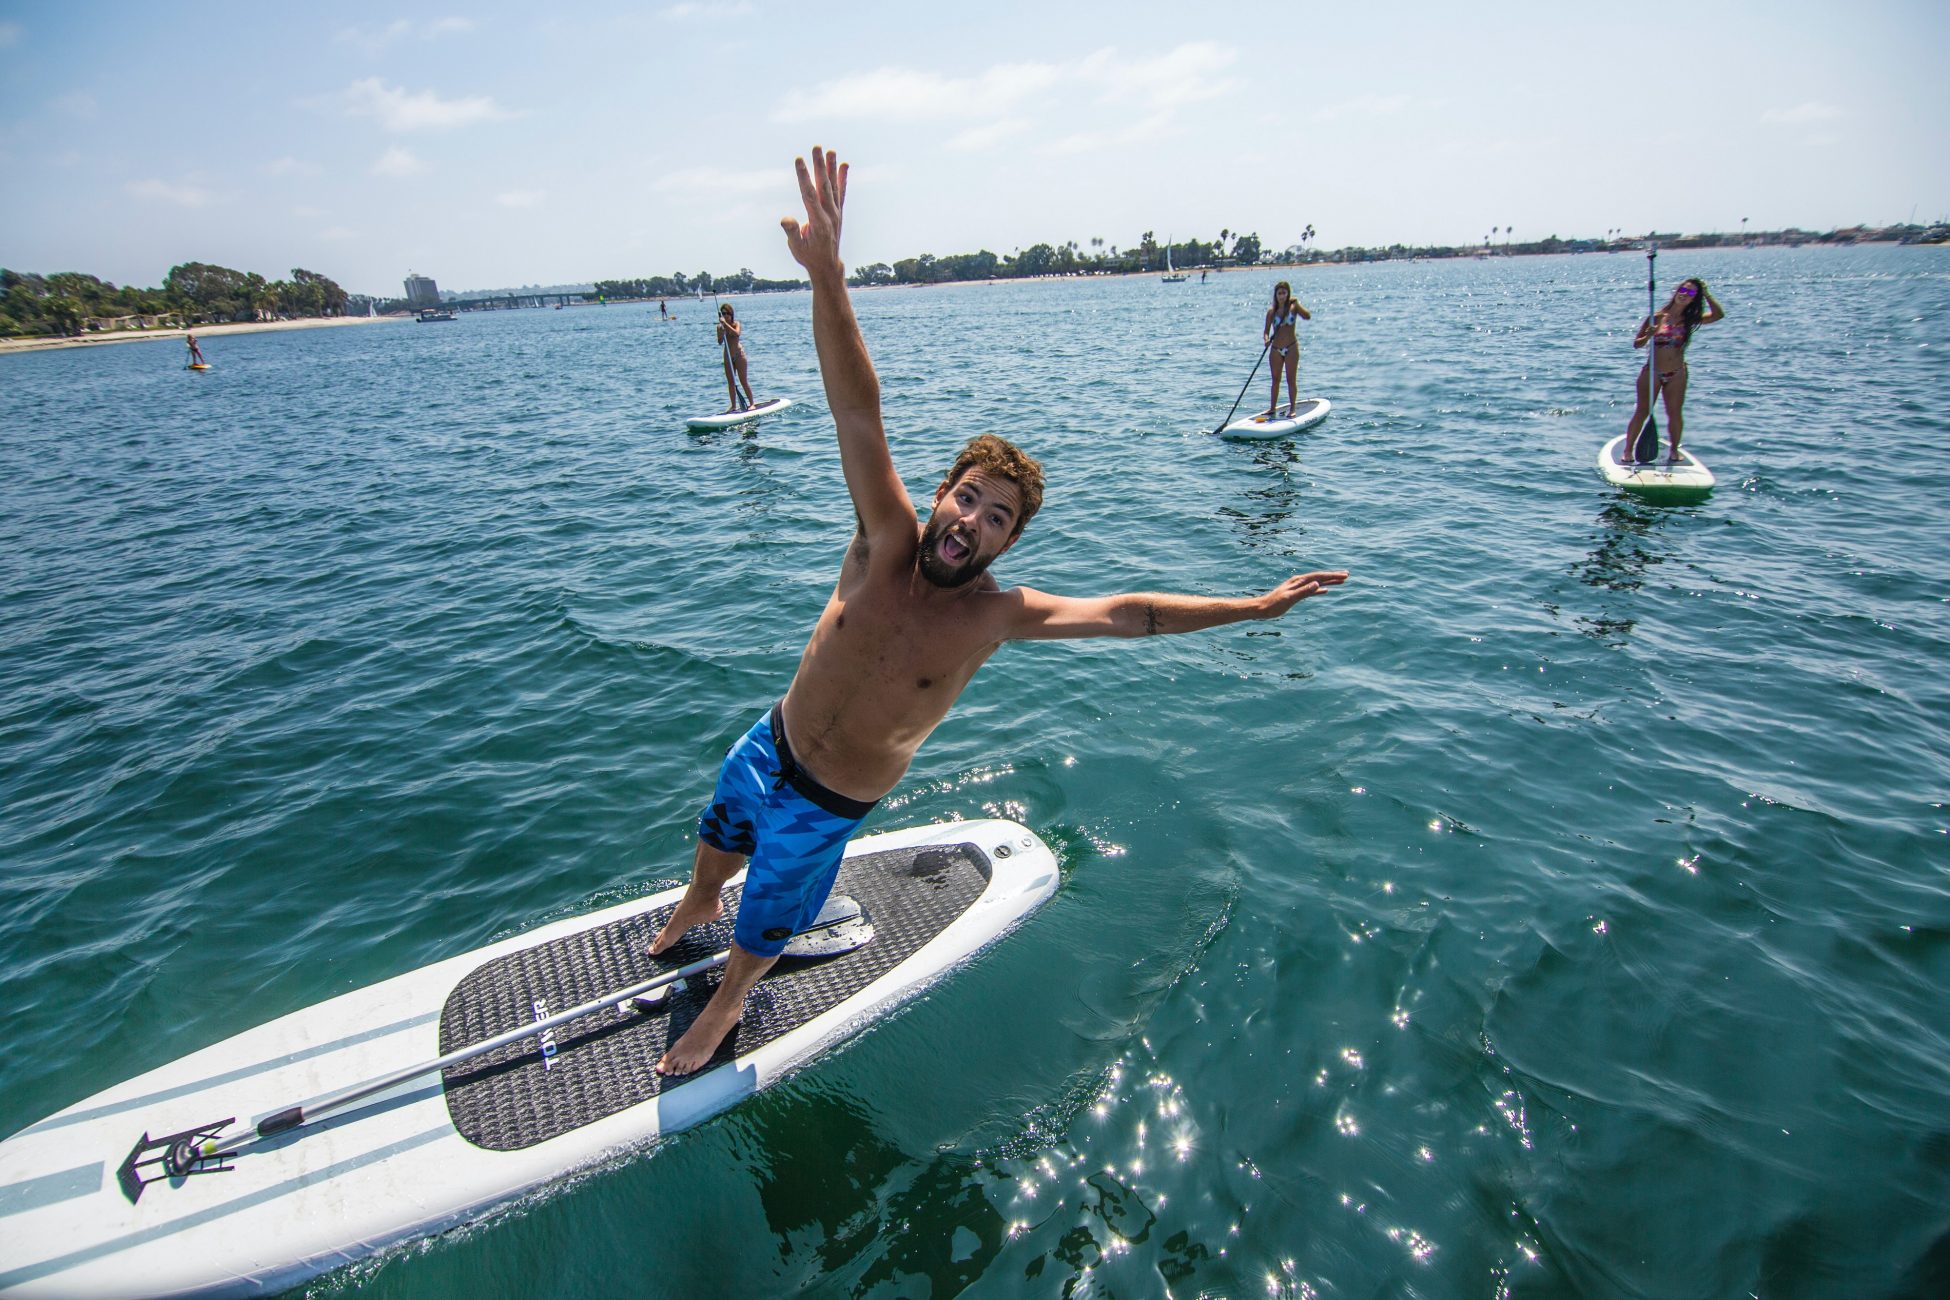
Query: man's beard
{"points": [[937, 570]]}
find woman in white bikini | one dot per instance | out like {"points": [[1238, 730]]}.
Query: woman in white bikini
{"points": [[734, 358], [1669, 331], [1283, 345]]}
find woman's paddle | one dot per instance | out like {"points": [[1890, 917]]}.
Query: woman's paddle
{"points": [[1248, 384], [1647, 447]]}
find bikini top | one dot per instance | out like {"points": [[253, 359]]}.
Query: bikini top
{"points": [[1287, 319], [1672, 334]]}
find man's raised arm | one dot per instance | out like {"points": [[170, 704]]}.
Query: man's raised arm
{"points": [[1039, 616], [852, 388]]}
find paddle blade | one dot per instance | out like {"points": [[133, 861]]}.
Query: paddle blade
{"points": [[1647, 447]]}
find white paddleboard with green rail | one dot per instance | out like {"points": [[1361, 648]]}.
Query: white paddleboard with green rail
{"points": [[422, 1101]]}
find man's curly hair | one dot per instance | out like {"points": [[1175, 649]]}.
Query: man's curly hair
{"points": [[1003, 459]]}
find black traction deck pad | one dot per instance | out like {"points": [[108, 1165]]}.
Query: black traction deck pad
{"points": [[517, 1096]]}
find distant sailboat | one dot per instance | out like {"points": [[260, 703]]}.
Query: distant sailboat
{"points": [[1172, 275]]}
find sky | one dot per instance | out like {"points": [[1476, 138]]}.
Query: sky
{"points": [[492, 145]]}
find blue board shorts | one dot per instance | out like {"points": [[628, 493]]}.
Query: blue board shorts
{"points": [[793, 829]]}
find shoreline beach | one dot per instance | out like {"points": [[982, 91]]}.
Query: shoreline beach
{"points": [[40, 344]]}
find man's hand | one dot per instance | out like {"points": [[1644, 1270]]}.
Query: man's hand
{"points": [[1297, 588], [816, 244]]}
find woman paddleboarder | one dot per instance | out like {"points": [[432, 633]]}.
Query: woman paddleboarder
{"points": [[1669, 330], [734, 358], [1283, 345]]}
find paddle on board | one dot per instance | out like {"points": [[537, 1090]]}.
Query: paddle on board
{"points": [[840, 927], [1248, 384]]}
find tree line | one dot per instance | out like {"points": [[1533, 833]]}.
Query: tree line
{"points": [[1071, 258], [194, 293], [679, 285]]}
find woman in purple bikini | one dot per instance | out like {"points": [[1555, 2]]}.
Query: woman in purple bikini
{"points": [[1669, 331]]}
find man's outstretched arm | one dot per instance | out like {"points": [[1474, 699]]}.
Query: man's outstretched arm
{"points": [[852, 388], [1039, 616]]}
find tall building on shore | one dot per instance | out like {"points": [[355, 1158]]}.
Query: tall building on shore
{"points": [[421, 291]]}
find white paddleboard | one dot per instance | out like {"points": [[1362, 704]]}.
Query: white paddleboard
{"points": [[87, 1208], [1661, 480], [1305, 416], [731, 419]]}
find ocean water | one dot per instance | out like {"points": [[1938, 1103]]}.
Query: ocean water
{"points": [[1560, 908]]}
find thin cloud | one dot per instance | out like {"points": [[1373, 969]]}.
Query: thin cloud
{"points": [[398, 162], [1363, 106], [1802, 114], [707, 10], [1145, 131], [78, 103], [183, 196], [1184, 75], [338, 234], [401, 112], [988, 135], [992, 106], [521, 198], [289, 166], [718, 183], [374, 40], [911, 94], [10, 34]]}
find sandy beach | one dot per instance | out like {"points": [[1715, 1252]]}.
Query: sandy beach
{"points": [[203, 331]]}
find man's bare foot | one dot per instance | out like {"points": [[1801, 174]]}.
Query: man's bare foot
{"points": [[695, 909], [699, 1043]]}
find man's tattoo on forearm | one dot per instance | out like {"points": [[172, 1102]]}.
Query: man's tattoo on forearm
{"points": [[1150, 619]]}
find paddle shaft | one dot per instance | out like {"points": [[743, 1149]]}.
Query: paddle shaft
{"points": [[1647, 446], [312, 1111], [1248, 384]]}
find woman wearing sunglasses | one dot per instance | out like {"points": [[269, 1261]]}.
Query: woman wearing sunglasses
{"points": [[1669, 331]]}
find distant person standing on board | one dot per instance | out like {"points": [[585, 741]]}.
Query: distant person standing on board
{"points": [[1669, 331], [914, 613], [196, 353], [1280, 340], [662, 309], [734, 358]]}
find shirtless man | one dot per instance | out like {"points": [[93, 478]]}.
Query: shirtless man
{"points": [[913, 615]]}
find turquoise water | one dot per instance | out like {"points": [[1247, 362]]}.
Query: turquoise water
{"points": [[1561, 907]]}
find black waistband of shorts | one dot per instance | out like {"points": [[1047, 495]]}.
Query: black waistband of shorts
{"points": [[801, 780]]}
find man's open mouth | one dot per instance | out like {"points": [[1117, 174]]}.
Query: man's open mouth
{"points": [[952, 548]]}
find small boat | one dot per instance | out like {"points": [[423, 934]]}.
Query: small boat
{"points": [[1172, 275], [429, 314]]}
